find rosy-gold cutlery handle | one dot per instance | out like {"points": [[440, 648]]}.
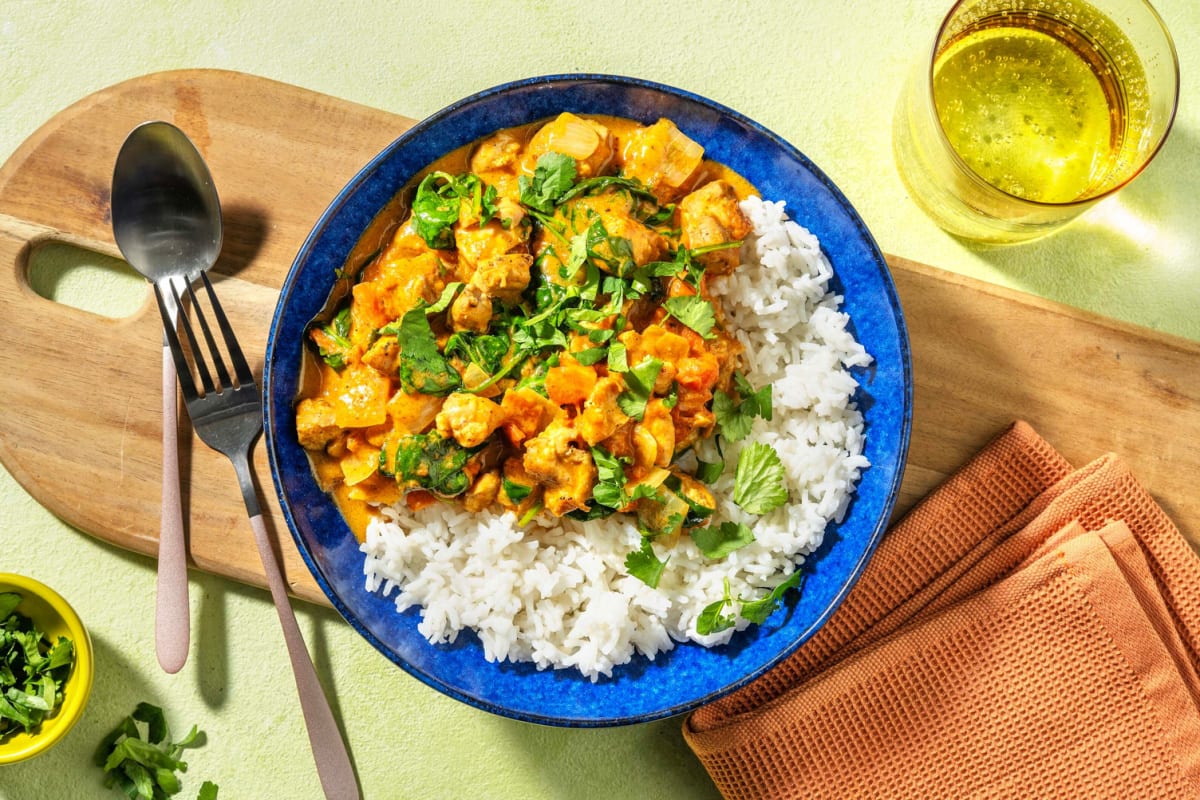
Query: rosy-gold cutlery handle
{"points": [[172, 617], [328, 747]]}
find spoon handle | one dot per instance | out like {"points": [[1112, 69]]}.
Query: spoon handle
{"points": [[172, 620]]}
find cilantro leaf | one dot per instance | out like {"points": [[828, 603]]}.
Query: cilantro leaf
{"points": [[146, 765], [719, 541], [644, 564], [695, 312], [618, 358], [33, 669], [435, 210], [757, 611], [610, 479], [735, 416], [554, 174], [422, 368], [758, 482], [639, 385], [711, 620]]}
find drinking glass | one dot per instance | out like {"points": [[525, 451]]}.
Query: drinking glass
{"points": [[1025, 113]]}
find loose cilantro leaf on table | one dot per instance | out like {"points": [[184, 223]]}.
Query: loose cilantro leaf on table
{"points": [[33, 669], [758, 482], [140, 758]]}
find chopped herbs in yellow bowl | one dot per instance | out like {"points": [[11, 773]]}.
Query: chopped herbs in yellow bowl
{"points": [[45, 668]]}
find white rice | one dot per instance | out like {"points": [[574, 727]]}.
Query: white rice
{"points": [[557, 593]]}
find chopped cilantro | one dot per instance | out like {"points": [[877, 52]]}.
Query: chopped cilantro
{"points": [[735, 416], [610, 479], [33, 669], [758, 483], [141, 759], [719, 541], [757, 611], [422, 368], [639, 385], [645, 565], [695, 312], [711, 620]]}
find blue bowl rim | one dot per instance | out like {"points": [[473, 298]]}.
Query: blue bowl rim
{"points": [[903, 443]]}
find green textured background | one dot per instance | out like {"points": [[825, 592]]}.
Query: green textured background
{"points": [[822, 74]]}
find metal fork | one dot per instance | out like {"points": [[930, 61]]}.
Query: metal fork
{"points": [[227, 415]]}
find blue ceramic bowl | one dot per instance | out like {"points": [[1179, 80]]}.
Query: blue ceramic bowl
{"points": [[689, 675]]}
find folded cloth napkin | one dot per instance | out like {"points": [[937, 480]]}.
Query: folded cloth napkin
{"points": [[1027, 630]]}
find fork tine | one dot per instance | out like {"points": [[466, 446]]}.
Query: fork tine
{"points": [[244, 375], [181, 366], [193, 344], [223, 381]]}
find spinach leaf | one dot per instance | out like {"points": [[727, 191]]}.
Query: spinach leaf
{"points": [[485, 349], [429, 461], [554, 174], [332, 340]]}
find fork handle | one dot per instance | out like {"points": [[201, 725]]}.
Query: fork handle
{"points": [[328, 747], [172, 619]]}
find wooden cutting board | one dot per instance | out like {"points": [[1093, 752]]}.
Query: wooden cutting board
{"points": [[80, 394]]}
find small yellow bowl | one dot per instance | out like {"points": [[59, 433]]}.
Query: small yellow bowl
{"points": [[54, 617]]}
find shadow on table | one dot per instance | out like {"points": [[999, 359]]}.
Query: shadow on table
{"points": [[571, 762], [1095, 260]]}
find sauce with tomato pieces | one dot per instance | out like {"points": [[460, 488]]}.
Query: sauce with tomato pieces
{"points": [[528, 327]]}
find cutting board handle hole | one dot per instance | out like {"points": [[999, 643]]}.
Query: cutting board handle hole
{"points": [[84, 279]]}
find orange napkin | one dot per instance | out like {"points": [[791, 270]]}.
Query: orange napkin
{"points": [[1028, 630]]}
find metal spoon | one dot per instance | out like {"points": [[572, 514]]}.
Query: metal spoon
{"points": [[166, 220]]}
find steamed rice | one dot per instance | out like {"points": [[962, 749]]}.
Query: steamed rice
{"points": [[557, 592]]}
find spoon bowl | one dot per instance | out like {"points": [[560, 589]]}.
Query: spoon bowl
{"points": [[166, 220]]}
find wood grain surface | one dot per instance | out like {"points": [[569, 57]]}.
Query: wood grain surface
{"points": [[79, 400]]}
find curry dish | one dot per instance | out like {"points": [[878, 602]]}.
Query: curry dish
{"points": [[535, 332]]}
